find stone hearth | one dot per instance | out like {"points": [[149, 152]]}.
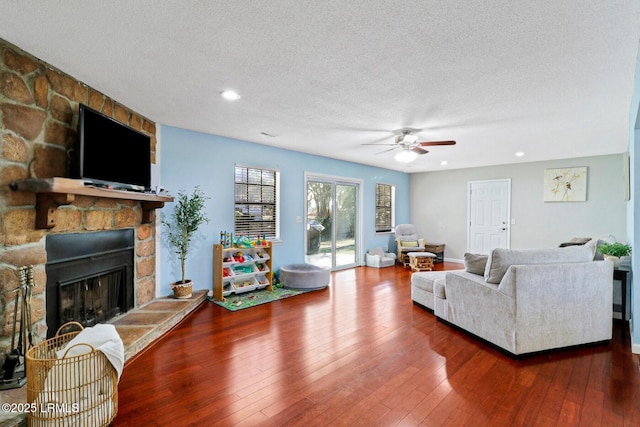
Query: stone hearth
{"points": [[138, 329]]}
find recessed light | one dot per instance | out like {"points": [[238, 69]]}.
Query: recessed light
{"points": [[230, 95], [520, 153], [444, 163]]}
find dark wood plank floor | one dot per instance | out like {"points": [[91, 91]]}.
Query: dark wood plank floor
{"points": [[360, 353]]}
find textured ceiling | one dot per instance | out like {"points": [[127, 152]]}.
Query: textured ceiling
{"points": [[550, 78]]}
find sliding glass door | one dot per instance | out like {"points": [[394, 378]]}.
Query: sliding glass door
{"points": [[333, 225]]}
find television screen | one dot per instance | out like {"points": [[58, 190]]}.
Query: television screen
{"points": [[110, 153]]}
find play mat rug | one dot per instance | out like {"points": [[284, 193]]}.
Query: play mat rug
{"points": [[251, 299]]}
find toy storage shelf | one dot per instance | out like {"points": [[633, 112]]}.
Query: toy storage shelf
{"points": [[233, 274]]}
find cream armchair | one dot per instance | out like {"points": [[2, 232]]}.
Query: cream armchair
{"points": [[407, 241], [377, 257]]}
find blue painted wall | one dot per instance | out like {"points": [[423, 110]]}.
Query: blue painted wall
{"points": [[189, 158]]}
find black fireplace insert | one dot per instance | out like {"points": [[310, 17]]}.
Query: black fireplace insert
{"points": [[89, 277]]}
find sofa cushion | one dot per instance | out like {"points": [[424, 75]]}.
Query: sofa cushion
{"points": [[425, 279], [439, 289], [501, 259], [475, 263]]}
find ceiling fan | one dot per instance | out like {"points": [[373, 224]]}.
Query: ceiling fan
{"points": [[410, 146]]}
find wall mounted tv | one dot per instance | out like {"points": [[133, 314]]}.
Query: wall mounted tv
{"points": [[110, 154]]}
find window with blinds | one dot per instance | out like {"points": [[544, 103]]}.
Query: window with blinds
{"points": [[384, 208], [256, 208]]}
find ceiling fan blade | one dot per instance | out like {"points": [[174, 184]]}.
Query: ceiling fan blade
{"points": [[419, 150], [386, 151], [377, 143], [433, 143]]}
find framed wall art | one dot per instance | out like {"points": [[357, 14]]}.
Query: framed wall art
{"points": [[565, 184]]}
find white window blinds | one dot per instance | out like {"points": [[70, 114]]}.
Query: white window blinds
{"points": [[384, 207], [255, 202]]}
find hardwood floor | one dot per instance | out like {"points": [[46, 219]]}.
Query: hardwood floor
{"points": [[360, 353]]}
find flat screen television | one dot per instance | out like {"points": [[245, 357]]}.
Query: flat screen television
{"points": [[110, 154]]}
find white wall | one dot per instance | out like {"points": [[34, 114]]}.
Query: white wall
{"points": [[439, 204]]}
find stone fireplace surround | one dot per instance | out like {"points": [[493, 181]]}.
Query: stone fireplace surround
{"points": [[38, 117]]}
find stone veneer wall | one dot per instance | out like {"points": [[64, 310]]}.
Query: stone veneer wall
{"points": [[38, 118]]}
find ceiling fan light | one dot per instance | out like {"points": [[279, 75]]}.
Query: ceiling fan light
{"points": [[405, 156]]}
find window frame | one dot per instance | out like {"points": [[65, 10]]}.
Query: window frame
{"points": [[391, 208], [275, 236]]}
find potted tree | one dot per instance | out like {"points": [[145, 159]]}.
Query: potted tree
{"points": [[188, 214], [615, 251]]}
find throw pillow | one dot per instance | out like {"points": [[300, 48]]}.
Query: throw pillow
{"points": [[576, 241], [591, 244], [475, 263], [409, 243]]}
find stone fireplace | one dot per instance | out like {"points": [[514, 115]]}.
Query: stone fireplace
{"points": [[38, 118]]}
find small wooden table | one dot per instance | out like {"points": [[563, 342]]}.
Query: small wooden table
{"points": [[621, 274], [421, 261], [436, 248]]}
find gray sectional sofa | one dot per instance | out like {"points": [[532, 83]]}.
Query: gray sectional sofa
{"points": [[525, 301]]}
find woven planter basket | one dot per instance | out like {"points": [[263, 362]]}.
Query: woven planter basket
{"points": [[64, 390], [183, 290]]}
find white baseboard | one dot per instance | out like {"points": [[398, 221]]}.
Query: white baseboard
{"points": [[457, 261], [635, 347]]}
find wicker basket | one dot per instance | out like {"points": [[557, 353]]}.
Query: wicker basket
{"points": [[67, 389], [183, 290]]}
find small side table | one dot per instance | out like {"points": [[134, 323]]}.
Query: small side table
{"points": [[436, 248], [621, 274]]}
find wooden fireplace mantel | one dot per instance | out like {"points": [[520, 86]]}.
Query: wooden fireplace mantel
{"points": [[54, 192]]}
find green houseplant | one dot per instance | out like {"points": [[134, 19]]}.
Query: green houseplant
{"points": [[614, 251], [188, 214]]}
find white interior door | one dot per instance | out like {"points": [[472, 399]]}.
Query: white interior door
{"points": [[489, 215]]}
